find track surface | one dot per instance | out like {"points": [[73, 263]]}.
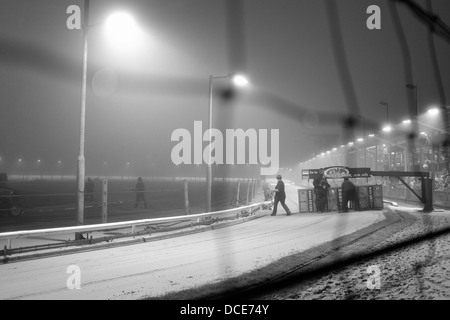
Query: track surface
{"points": [[154, 268]]}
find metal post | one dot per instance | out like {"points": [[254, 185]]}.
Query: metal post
{"points": [[105, 201], [248, 191], [238, 193], [209, 168], [81, 160], [387, 110], [186, 198]]}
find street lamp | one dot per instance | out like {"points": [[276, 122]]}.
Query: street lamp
{"points": [[238, 80], [113, 22]]}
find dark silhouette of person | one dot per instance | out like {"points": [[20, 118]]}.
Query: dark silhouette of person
{"points": [[280, 196], [89, 189], [348, 194], [140, 193], [321, 187]]}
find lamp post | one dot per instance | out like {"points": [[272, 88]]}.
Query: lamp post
{"points": [[363, 139], [387, 110], [81, 166], [414, 87], [238, 80]]}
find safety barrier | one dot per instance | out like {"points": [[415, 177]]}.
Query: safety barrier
{"points": [[440, 198], [234, 212], [173, 193]]}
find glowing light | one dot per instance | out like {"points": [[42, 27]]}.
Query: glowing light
{"points": [[433, 111], [240, 80], [360, 140], [387, 129], [406, 121], [122, 29], [371, 135]]}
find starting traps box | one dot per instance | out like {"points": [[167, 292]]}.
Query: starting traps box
{"points": [[368, 197]]}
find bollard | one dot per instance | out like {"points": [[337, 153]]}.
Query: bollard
{"points": [[105, 201], [238, 193], [248, 191], [251, 192], [186, 198]]}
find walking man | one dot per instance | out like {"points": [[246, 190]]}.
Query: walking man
{"points": [[280, 196]]}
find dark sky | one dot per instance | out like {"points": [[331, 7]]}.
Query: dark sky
{"points": [[139, 96]]}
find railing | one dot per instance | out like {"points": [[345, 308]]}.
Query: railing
{"points": [[9, 236], [173, 193]]}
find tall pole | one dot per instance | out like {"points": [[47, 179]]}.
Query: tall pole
{"points": [[387, 110], [81, 160], [209, 168], [364, 142], [415, 126], [416, 102]]}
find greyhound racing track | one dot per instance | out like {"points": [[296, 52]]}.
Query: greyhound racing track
{"points": [[151, 269]]}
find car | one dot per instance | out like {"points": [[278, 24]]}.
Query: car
{"points": [[9, 202]]}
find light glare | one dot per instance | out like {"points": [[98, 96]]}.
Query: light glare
{"points": [[433, 111], [240, 80]]}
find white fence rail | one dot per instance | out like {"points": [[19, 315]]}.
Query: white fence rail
{"points": [[9, 236]]}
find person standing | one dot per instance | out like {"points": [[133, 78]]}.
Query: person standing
{"points": [[280, 196], [321, 191], [140, 193], [348, 194], [89, 189]]}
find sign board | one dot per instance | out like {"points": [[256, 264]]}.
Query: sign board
{"points": [[336, 172]]}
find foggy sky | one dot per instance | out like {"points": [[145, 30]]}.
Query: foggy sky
{"points": [[136, 99]]}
